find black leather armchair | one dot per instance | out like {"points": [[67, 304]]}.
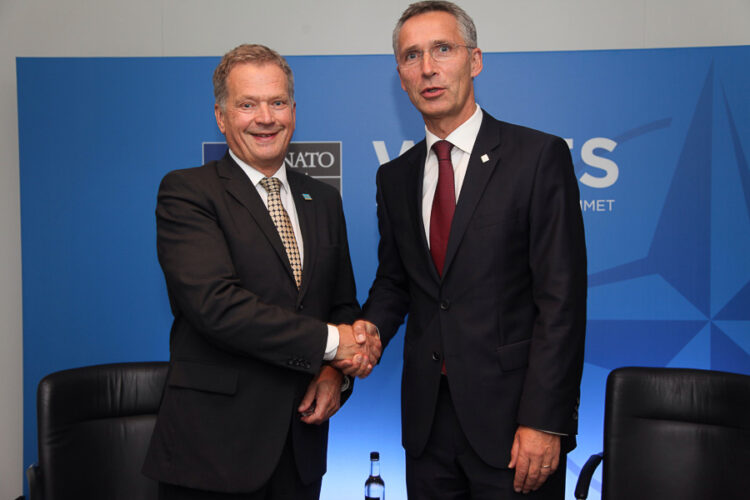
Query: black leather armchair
{"points": [[670, 433], [94, 425]]}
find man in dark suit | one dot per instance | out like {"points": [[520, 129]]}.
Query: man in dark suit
{"points": [[257, 267], [482, 244]]}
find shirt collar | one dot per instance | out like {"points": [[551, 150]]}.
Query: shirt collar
{"points": [[463, 137], [256, 176]]}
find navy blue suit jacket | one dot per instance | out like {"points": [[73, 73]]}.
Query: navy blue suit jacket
{"points": [[508, 315]]}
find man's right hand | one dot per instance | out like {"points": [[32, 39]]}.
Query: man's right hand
{"points": [[352, 356], [363, 327], [366, 349]]}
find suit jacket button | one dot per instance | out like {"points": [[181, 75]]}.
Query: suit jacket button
{"points": [[300, 307], [445, 305], [436, 356]]}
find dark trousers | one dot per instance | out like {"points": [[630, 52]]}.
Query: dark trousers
{"points": [[449, 469], [284, 484]]}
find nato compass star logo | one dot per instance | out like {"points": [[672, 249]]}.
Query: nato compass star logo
{"points": [[692, 288], [699, 259]]}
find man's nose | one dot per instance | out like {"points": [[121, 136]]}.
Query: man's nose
{"points": [[428, 63], [264, 114]]}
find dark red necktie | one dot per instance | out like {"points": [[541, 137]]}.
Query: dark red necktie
{"points": [[443, 205]]}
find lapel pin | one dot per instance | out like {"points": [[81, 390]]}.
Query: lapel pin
{"points": [[485, 158], [306, 197]]}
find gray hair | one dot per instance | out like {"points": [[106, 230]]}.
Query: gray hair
{"points": [[465, 23], [253, 54]]}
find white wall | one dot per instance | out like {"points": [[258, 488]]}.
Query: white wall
{"points": [[36, 28]]}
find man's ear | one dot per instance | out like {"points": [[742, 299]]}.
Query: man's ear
{"points": [[219, 118], [476, 62]]}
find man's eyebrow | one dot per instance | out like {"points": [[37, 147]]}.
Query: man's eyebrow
{"points": [[431, 43]]}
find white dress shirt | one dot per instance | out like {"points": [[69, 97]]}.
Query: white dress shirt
{"points": [[287, 200], [463, 139]]}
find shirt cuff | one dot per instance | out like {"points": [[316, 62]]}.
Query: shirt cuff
{"points": [[332, 344], [550, 432]]}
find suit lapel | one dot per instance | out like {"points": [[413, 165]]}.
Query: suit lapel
{"points": [[307, 223], [239, 186], [478, 173]]}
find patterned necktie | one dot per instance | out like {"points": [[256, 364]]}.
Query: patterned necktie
{"points": [[272, 185], [443, 205]]}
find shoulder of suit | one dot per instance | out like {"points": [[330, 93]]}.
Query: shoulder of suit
{"points": [[411, 156], [200, 176], [517, 133]]}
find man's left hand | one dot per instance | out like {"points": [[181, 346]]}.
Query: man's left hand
{"points": [[535, 455], [323, 396]]}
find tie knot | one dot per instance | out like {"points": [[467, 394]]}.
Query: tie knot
{"points": [[271, 184], [443, 150]]}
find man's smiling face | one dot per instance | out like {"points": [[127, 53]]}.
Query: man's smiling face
{"points": [[258, 116]]}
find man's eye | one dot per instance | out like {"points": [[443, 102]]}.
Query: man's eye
{"points": [[444, 48], [410, 56], [246, 105], [278, 104]]}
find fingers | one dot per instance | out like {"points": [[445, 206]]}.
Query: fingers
{"points": [[359, 348], [374, 346], [305, 406], [360, 330], [360, 365], [514, 453], [353, 367], [535, 456], [348, 346], [318, 415], [326, 397], [367, 332]]}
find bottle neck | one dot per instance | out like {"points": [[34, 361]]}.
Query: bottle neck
{"points": [[374, 467]]}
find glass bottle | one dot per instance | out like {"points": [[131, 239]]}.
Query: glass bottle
{"points": [[374, 486]]}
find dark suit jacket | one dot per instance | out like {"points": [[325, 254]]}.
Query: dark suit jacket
{"points": [[245, 343], [508, 317]]}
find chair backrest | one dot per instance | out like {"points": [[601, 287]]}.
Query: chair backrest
{"points": [[94, 426], [677, 434]]}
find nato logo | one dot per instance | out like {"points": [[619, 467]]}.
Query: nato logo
{"points": [[320, 160], [686, 300]]}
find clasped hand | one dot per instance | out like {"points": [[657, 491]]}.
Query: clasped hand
{"points": [[359, 349]]}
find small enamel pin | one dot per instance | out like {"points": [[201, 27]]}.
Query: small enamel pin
{"points": [[485, 158], [306, 197]]}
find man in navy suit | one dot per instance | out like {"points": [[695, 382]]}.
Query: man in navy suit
{"points": [[482, 244], [257, 267]]}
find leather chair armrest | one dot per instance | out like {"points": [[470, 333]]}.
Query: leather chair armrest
{"points": [[584, 478], [34, 477]]}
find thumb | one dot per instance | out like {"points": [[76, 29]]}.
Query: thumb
{"points": [[360, 333], [513, 453]]}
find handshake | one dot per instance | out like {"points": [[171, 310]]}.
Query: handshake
{"points": [[359, 349]]}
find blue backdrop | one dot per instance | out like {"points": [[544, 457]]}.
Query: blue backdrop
{"points": [[660, 139]]}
